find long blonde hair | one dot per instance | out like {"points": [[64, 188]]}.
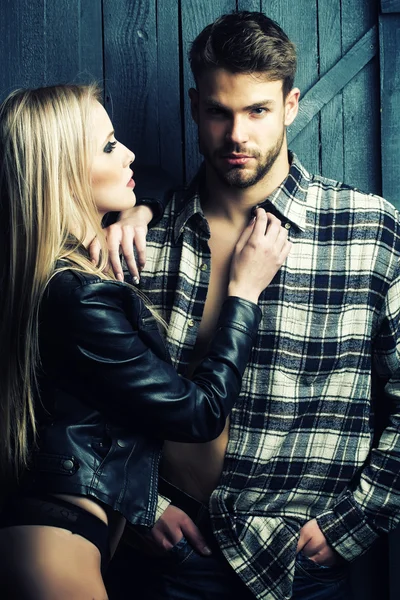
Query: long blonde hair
{"points": [[45, 193]]}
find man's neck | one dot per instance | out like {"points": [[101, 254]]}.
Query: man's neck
{"points": [[234, 204]]}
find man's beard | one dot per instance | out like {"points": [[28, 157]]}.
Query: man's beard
{"points": [[236, 176]]}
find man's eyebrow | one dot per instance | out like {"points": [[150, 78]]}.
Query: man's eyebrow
{"points": [[111, 134], [261, 104], [215, 104]]}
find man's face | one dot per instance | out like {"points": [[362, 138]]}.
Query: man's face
{"points": [[241, 120]]}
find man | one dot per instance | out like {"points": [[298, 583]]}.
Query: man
{"points": [[296, 487]]}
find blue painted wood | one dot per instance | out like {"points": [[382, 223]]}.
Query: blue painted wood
{"points": [[331, 118], [304, 33], [253, 5], [335, 80], [169, 100], [130, 70], [361, 103], [390, 6], [195, 15], [43, 43], [390, 105]]}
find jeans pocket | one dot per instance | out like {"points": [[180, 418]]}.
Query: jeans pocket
{"points": [[308, 568], [176, 555]]}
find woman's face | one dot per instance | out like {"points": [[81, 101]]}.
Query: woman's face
{"points": [[112, 182]]}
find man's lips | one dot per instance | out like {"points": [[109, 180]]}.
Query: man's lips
{"points": [[236, 159]]}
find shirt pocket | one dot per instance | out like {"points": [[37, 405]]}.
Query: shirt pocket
{"points": [[320, 341]]}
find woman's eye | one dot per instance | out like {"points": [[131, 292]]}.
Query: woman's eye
{"points": [[109, 147]]}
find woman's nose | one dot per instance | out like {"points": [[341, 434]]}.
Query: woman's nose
{"points": [[131, 156]]}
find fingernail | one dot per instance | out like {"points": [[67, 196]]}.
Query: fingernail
{"points": [[136, 280], [206, 550], [120, 277], [254, 210], [93, 262]]}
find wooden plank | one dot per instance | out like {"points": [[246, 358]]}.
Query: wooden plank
{"points": [[43, 43], [195, 15], [130, 71], [335, 80], [304, 33], [253, 5], [331, 119], [21, 32], [169, 101], [390, 6], [390, 102], [361, 103], [73, 40]]}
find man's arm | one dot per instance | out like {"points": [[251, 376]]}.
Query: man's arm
{"points": [[372, 506]]}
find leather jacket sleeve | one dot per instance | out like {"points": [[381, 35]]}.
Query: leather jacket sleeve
{"points": [[95, 343]]}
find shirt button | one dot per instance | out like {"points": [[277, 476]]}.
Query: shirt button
{"points": [[191, 323], [204, 267], [122, 443], [287, 225], [68, 464]]}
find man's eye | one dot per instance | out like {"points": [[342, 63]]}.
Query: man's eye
{"points": [[215, 112], [109, 147], [259, 111]]}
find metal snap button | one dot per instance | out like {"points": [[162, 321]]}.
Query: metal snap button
{"points": [[68, 464]]}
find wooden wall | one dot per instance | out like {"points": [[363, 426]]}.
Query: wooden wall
{"points": [[138, 50], [348, 127]]}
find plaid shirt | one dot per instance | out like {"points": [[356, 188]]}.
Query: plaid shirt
{"points": [[327, 355]]}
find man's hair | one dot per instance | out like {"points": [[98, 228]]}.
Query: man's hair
{"points": [[245, 42]]}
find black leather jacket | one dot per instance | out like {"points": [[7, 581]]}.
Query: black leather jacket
{"points": [[109, 394]]}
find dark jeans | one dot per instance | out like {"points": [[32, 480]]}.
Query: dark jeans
{"points": [[182, 574]]}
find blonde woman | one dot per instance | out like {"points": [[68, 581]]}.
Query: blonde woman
{"points": [[87, 391]]}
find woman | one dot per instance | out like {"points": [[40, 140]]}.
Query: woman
{"points": [[87, 389]]}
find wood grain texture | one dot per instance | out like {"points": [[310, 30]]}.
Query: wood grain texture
{"points": [[169, 99], [304, 33], [73, 41], [43, 43], [327, 88], [196, 14], [390, 6], [361, 103], [130, 71], [390, 105], [331, 123], [253, 5]]}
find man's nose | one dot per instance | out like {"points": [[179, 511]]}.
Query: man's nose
{"points": [[237, 132]]}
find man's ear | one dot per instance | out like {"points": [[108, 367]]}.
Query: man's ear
{"points": [[291, 106], [194, 104]]}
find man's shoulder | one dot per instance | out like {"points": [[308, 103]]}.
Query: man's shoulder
{"points": [[349, 197]]}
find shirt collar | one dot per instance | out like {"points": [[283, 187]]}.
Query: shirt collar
{"points": [[288, 201]]}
